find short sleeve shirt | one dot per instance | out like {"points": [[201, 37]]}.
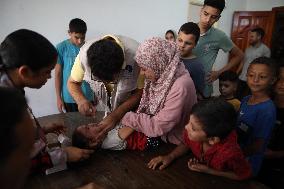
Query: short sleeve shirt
{"points": [[67, 53], [255, 122], [224, 156], [207, 50]]}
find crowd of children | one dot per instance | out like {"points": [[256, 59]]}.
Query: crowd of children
{"points": [[153, 93]]}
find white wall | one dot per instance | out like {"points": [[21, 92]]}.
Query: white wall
{"points": [[263, 5], [134, 18], [224, 24]]}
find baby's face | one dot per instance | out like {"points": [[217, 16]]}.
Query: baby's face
{"points": [[88, 131]]}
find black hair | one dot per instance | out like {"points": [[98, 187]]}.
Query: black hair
{"points": [[105, 58], [229, 76], [259, 31], [218, 4], [26, 47], [79, 140], [172, 32], [217, 116], [13, 105], [191, 28], [77, 25], [269, 62]]}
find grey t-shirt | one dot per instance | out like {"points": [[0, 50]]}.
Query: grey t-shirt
{"points": [[197, 73], [252, 53]]}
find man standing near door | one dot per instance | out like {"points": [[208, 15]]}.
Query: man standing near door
{"points": [[255, 50], [211, 41]]}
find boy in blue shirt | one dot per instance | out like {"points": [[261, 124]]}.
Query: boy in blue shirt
{"points": [[257, 113], [67, 52]]}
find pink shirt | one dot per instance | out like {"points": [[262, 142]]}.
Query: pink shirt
{"points": [[169, 122]]}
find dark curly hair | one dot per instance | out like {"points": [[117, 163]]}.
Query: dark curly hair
{"points": [[217, 116], [78, 25], [191, 28], [26, 47], [218, 4], [105, 58]]}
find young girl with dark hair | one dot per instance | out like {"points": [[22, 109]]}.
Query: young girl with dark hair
{"points": [[26, 60]]}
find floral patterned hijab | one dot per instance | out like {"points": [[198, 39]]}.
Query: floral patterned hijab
{"points": [[162, 57]]}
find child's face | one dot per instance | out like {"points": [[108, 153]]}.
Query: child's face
{"points": [[148, 73], [227, 88], [19, 160], [87, 131], [259, 78], [77, 39], [194, 130], [185, 42], [39, 78], [279, 87], [170, 37]]}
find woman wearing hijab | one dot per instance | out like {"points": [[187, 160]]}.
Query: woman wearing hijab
{"points": [[164, 109]]}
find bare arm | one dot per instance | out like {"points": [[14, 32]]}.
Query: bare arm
{"points": [[180, 150], [125, 132], [85, 107], [58, 87], [237, 56], [228, 174], [75, 90], [205, 169], [162, 162], [117, 114], [240, 67]]}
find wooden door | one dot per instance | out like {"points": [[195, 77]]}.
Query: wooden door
{"points": [[244, 21]]}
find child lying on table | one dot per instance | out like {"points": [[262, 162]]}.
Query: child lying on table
{"points": [[168, 96]]}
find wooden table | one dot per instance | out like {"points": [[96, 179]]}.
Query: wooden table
{"points": [[127, 169]]}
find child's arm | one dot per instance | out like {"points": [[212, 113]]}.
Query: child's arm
{"points": [[254, 147], [124, 132], [163, 161], [192, 165]]}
